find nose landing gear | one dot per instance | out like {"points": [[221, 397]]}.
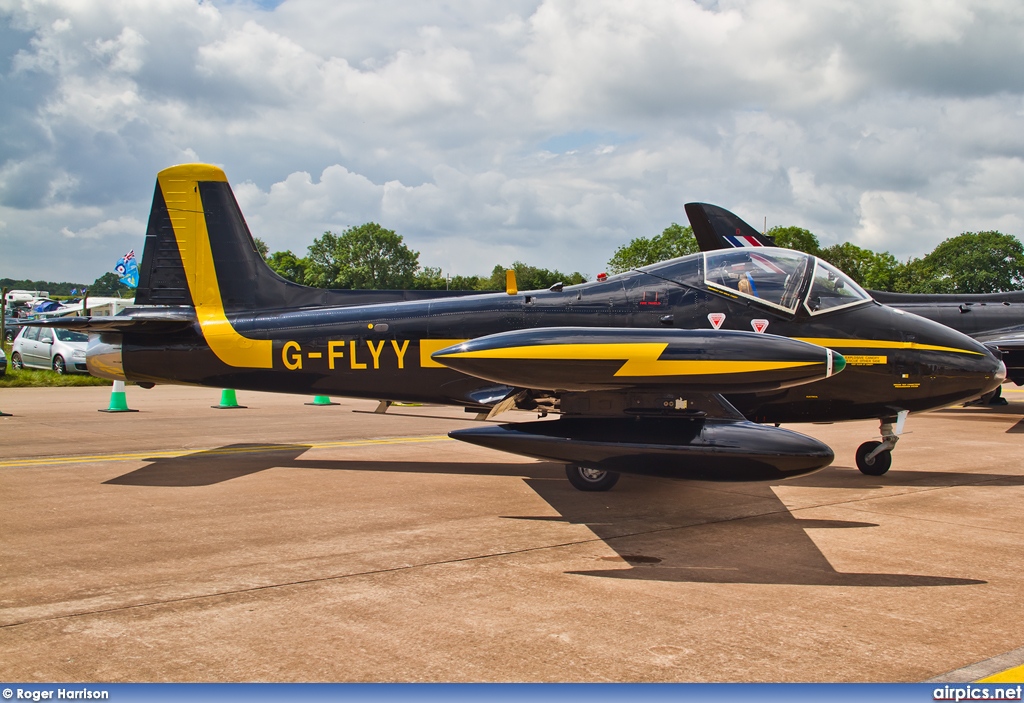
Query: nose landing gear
{"points": [[875, 458]]}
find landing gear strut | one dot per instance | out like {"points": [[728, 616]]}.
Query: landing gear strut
{"points": [[875, 458], [587, 479]]}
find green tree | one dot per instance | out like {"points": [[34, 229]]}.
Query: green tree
{"points": [[674, 241], [469, 283], [110, 285], [261, 247], [871, 270], [430, 278], [289, 266], [367, 256], [973, 262], [531, 277], [796, 238], [53, 288], [913, 276]]}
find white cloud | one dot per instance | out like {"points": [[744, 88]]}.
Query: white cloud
{"points": [[933, 22], [889, 218], [124, 54], [550, 131], [122, 226]]}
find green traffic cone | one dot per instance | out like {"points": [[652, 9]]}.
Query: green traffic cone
{"points": [[118, 401], [322, 400], [228, 401]]}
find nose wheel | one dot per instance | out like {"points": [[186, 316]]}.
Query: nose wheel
{"points": [[875, 458]]}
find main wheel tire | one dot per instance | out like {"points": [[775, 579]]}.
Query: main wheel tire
{"points": [[59, 366], [876, 466], [587, 479], [16, 362]]}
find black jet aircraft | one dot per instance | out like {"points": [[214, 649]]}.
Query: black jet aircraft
{"points": [[680, 369], [995, 319]]}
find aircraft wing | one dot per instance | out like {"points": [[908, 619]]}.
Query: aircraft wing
{"points": [[649, 400], [1010, 345], [717, 228], [1006, 339], [623, 418]]}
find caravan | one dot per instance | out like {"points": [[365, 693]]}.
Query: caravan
{"points": [[15, 297]]}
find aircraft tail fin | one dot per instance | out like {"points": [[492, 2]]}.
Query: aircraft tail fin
{"points": [[717, 228], [199, 252]]}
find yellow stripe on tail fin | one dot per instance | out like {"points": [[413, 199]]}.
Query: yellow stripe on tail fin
{"points": [[181, 193]]}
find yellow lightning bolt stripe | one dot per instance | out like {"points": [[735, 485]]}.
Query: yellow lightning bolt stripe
{"points": [[640, 359], [833, 343], [179, 185]]}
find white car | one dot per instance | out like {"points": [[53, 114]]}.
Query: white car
{"points": [[45, 348]]}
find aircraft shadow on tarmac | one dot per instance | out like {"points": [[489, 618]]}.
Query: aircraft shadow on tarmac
{"points": [[988, 414], [664, 530]]}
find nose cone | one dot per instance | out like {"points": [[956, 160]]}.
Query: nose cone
{"points": [[959, 368]]}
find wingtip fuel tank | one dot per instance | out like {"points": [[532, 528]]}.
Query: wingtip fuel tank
{"points": [[587, 359]]}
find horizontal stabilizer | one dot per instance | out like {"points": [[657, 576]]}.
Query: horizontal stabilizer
{"points": [[139, 322]]}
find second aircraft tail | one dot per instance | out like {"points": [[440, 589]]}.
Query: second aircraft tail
{"points": [[717, 228]]}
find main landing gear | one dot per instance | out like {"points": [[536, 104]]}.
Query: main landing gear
{"points": [[587, 479], [875, 458]]}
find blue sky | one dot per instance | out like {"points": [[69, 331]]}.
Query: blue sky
{"points": [[545, 131]]}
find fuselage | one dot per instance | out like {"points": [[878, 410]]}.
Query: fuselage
{"points": [[895, 361]]}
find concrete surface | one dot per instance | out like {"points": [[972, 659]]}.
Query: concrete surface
{"points": [[286, 542]]}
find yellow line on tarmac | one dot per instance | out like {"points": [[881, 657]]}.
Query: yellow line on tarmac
{"points": [[254, 449], [1014, 675]]}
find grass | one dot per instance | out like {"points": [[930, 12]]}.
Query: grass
{"points": [[42, 378]]}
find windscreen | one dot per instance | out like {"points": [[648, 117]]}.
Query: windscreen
{"points": [[771, 276], [832, 289]]}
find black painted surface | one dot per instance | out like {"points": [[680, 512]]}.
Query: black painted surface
{"points": [[705, 450], [324, 343]]}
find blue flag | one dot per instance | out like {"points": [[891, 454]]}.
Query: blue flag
{"points": [[127, 269]]}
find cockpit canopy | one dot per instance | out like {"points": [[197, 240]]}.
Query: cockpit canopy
{"points": [[778, 277]]}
